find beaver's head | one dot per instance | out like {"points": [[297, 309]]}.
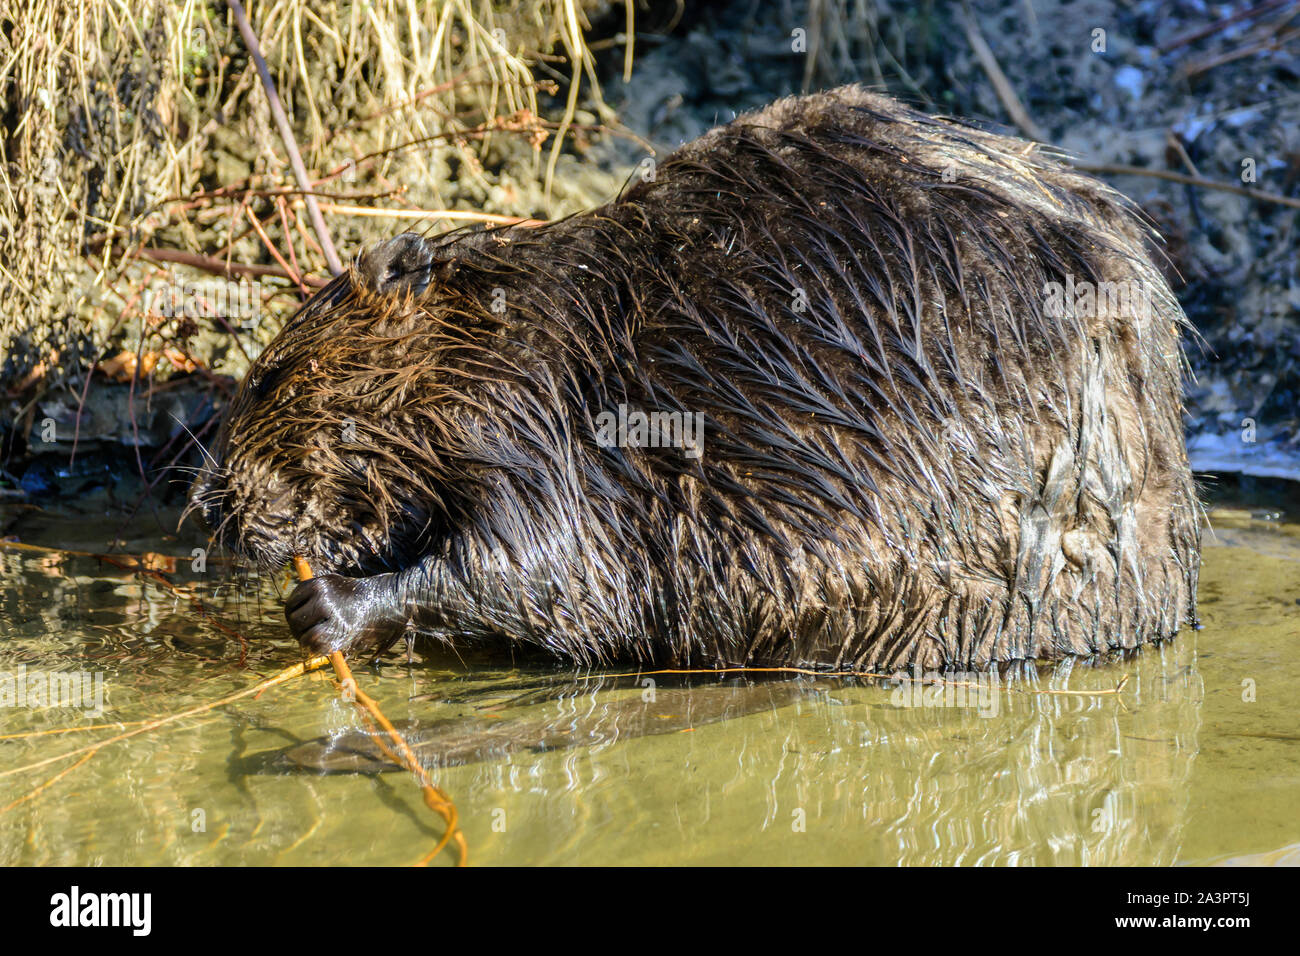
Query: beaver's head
{"points": [[343, 442]]}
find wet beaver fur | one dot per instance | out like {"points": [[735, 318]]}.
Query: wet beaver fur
{"points": [[916, 451]]}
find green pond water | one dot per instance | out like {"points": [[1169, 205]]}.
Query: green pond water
{"points": [[1196, 760]]}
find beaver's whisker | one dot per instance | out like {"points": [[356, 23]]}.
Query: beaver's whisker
{"points": [[212, 462]]}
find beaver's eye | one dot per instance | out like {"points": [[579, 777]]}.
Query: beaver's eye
{"points": [[264, 381]]}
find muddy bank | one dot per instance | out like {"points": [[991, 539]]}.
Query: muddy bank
{"points": [[1154, 86], [1160, 86]]}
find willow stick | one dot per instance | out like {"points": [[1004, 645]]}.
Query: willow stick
{"points": [[434, 798], [286, 134], [41, 788]]}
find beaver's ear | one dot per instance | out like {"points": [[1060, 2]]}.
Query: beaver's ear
{"points": [[406, 263]]}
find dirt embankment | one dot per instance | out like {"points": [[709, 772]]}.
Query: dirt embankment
{"points": [[175, 152]]}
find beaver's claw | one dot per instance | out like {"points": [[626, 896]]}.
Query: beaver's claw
{"points": [[334, 613]]}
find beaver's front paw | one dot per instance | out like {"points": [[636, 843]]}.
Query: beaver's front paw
{"points": [[332, 613]]}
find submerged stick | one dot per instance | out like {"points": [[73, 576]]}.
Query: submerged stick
{"points": [[434, 798], [42, 787]]}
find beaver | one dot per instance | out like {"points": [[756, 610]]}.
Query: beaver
{"points": [[930, 434]]}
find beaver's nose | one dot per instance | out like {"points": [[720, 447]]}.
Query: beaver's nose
{"points": [[205, 502]]}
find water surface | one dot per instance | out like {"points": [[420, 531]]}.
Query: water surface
{"points": [[1196, 760]]}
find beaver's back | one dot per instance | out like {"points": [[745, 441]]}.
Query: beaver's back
{"points": [[911, 452]]}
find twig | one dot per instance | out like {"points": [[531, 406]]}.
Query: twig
{"points": [[1111, 169], [629, 35], [1088, 693], [1275, 42], [26, 734], [1193, 35], [275, 253], [286, 134], [281, 208], [194, 200], [1177, 146], [434, 798], [289, 673], [457, 214], [218, 267], [40, 788], [572, 37], [1001, 85]]}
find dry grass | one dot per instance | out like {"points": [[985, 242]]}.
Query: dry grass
{"points": [[137, 125]]}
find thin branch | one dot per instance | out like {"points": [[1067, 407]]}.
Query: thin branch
{"points": [[1112, 169], [1001, 85], [286, 134]]}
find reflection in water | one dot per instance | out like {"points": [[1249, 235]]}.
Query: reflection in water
{"points": [[1055, 779], [589, 714], [545, 768], [1018, 773]]}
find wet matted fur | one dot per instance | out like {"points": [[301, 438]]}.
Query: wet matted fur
{"points": [[912, 454]]}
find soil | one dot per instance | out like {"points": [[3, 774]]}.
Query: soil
{"points": [[1223, 107]]}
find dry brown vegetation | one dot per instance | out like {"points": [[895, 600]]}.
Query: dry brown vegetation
{"points": [[139, 157]]}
